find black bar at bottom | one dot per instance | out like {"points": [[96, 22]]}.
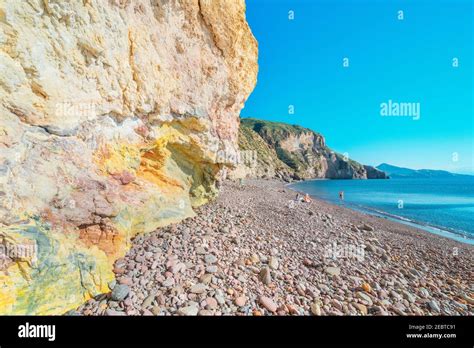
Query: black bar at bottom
{"points": [[71, 330]]}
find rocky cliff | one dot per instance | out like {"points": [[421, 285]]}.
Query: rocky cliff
{"points": [[113, 114], [375, 173], [272, 149]]}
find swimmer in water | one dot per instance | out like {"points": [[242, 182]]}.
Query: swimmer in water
{"points": [[341, 196]]}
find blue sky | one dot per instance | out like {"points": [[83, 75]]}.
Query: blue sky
{"points": [[406, 61]]}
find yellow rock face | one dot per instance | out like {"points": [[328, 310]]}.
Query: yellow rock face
{"points": [[112, 116]]}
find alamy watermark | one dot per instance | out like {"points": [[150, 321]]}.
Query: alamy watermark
{"points": [[400, 109], [22, 252], [246, 157], [82, 109], [344, 251]]}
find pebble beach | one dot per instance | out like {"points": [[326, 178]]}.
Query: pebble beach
{"points": [[255, 251]]}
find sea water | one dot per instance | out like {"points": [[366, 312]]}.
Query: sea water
{"points": [[444, 206]]}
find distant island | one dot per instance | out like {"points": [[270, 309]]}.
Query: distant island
{"points": [[401, 172]]}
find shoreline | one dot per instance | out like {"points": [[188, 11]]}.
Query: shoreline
{"points": [[366, 211], [251, 252], [441, 231]]}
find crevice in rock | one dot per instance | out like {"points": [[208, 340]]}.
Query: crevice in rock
{"points": [[131, 61], [209, 29]]}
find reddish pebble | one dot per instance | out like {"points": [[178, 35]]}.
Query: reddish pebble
{"points": [[211, 303], [268, 303], [118, 270], [240, 301], [125, 281]]}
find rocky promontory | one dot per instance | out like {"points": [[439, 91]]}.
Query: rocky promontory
{"points": [[291, 152]]}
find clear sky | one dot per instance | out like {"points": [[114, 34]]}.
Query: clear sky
{"points": [[405, 61]]}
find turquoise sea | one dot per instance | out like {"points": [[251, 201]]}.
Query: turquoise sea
{"points": [[444, 206]]}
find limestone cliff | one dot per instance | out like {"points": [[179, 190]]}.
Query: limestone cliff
{"points": [[293, 152], [112, 116]]}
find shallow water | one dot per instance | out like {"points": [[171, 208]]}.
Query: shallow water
{"points": [[442, 206]]}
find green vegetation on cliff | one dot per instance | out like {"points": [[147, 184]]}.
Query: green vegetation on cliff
{"points": [[267, 161], [294, 152]]}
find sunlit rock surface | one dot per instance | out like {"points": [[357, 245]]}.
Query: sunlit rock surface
{"points": [[115, 118]]}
